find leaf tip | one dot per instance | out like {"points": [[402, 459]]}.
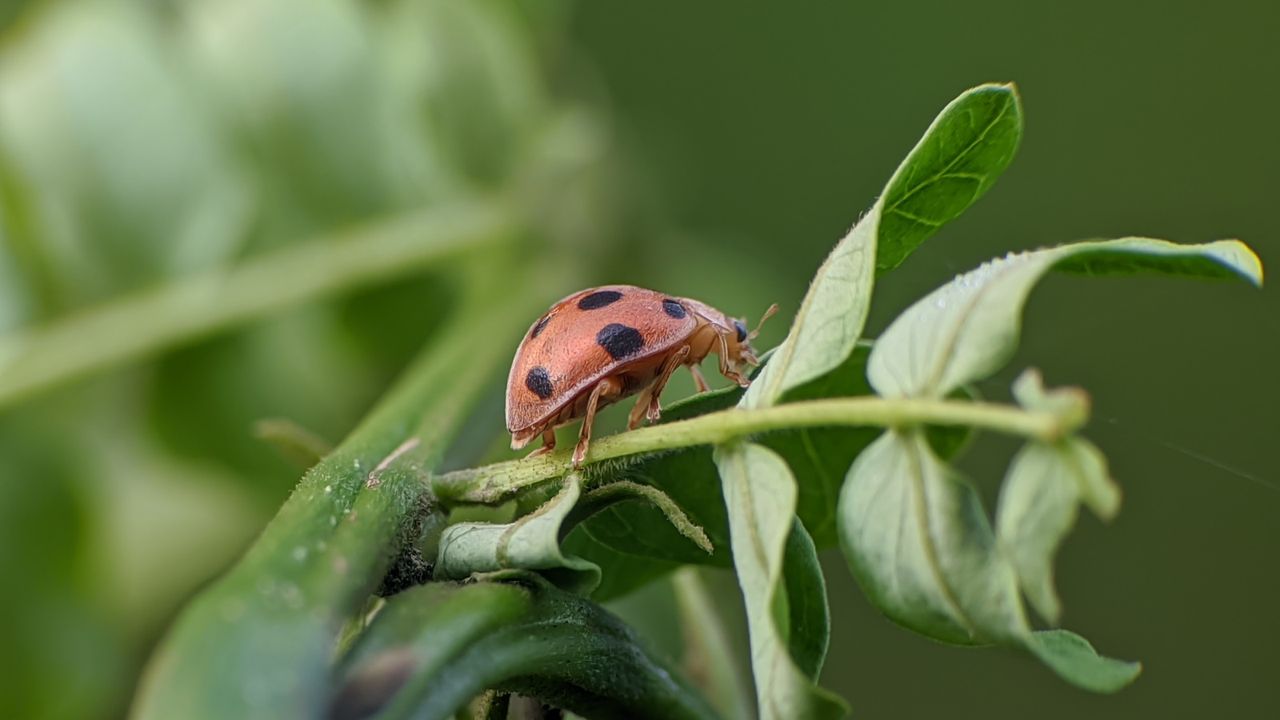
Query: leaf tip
{"points": [[1075, 660], [1009, 88], [1250, 263], [1237, 257]]}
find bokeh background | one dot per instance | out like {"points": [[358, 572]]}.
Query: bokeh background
{"points": [[718, 150]]}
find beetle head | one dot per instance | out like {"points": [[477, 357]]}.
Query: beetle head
{"points": [[741, 343]]}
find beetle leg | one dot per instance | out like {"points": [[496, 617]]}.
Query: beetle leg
{"points": [[608, 385], [637, 412], [698, 379], [725, 369], [548, 443], [655, 390]]}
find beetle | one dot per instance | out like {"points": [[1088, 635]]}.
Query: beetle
{"points": [[606, 343]]}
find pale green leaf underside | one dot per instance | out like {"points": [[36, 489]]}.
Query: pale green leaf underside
{"points": [[1075, 660], [830, 318], [921, 548], [968, 328], [920, 545], [760, 495], [530, 543], [957, 159], [1038, 501]]}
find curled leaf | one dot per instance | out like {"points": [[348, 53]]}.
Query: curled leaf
{"points": [[530, 543], [918, 541], [1045, 483], [968, 328], [1037, 508]]}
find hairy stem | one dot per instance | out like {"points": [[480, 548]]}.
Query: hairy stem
{"points": [[190, 307], [605, 495], [257, 643], [492, 483]]}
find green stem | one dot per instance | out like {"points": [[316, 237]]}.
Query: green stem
{"points": [[619, 490], [709, 660], [492, 483], [257, 643], [190, 307]]}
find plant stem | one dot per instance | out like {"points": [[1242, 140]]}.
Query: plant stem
{"points": [[257, 643], [708, 659], [492, 483], [190, 307]]}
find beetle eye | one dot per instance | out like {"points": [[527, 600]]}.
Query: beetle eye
{"points": [[742, 330]]}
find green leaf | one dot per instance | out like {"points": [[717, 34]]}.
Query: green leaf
{"points": [[1075, 660], [960, 155], [821, 456], [967, 147], [622, 572], [808, 616], [543, 539], [416, 633], [542, 642], [920, 545], [110, 216], [818, 457], [830, 318], [687, 476], [1037, 508], [761, 497], [968, 328], [257, 643], [530, 543], [145, 323]]}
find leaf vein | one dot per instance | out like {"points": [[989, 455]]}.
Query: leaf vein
{"points": [[982, 136]]}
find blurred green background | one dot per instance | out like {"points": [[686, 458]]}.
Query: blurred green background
{"points": [[718, 151]]}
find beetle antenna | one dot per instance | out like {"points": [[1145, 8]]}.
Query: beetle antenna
{"points": [[767, 314]]}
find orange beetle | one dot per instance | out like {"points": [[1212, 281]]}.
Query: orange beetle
{"points": [[600, 345]]}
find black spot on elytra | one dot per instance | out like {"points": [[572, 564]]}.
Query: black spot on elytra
{"points": [[599, 299], [539, 382], [620, 341], [537, 329], [674, 309], [742, 330]]}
